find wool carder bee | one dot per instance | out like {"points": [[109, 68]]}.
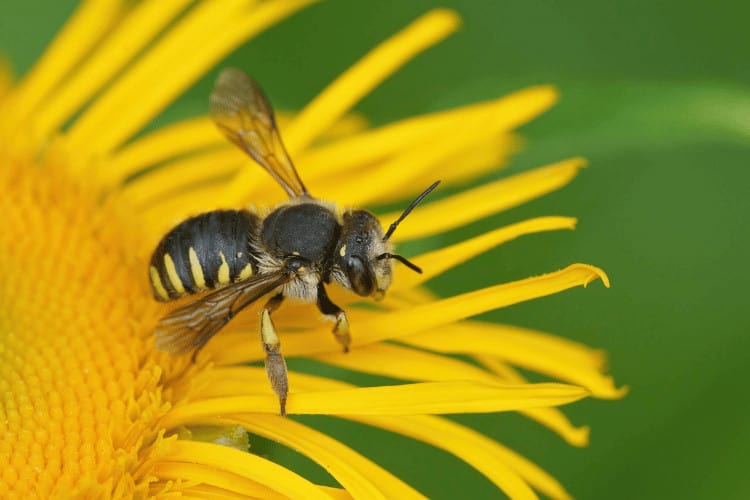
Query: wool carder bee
{"points": [[238, 257]]}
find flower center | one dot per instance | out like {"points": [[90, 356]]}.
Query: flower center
{"points": [[75, 376]]}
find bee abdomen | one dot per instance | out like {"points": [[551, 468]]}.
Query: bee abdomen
{"points": [[204, 252]]}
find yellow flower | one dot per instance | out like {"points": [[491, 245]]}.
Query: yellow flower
{"points": [[91, 409]]}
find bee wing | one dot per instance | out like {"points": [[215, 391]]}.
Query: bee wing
{"points": [[189, 327], [242, 112]]}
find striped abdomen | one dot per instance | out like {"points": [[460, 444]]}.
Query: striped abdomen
{"points": [[204, 252]]}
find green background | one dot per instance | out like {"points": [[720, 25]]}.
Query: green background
{"points": [[655, 95]]}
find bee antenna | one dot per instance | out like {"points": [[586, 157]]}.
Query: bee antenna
{"points": [[403, 216], [401, 259]]}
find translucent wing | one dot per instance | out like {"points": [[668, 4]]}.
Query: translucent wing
{"points": [[242, 112], [191, 326]]}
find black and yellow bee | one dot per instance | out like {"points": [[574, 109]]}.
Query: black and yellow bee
{"points": [[301, 245]]}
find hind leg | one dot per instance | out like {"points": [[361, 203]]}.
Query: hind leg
{"points": [[275, 364]]}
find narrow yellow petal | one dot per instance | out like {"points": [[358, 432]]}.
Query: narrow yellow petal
{"points": [[410, 170], [91, 20], [336, 493], [358, 475], [192, 473], [406, 363], [467, 164], [195, 171], [508, 470], [347, 125], [406, 399], [438, 261], [461, 162], [158, 146], [535, 351], [140, 26], [204, 492], [501, 465], [373, 327], [469, 206], [409, 364], [358, 81], [370, 146], [366, 74], [253, 467], [188, 137], [206, 34], [445, 311], [138, 84], [552, 418]]}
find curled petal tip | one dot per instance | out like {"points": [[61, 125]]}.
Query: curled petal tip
{"points": [[595, 273]]}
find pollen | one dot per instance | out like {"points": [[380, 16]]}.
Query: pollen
{"points": [[77, 402]]}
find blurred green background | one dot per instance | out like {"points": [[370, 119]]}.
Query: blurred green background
{"points": [[656, 96]]}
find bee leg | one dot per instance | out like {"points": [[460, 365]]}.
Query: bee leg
{"points": [[275, 364], [341, 328]]}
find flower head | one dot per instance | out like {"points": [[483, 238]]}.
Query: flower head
{"points": [[90, 407]]}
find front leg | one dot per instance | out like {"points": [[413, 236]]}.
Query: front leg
{"points": [[341, 328], [275, 364]]}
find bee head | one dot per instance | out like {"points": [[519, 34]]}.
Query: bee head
{"points": [[364, 258], [357, 253]]}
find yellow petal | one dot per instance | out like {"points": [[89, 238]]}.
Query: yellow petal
{"points": [[367, 73], [452, 309], [406, 399], [336, 493], [438, 261], [552, 418], [206, 34], [158, 146], [369, 146], [182, 176], [469, 206], [243, 464], [203, 492], [409, 364], [508, 470], [410, 170], [191, 136], [91, 20], [358, 475], [358, 81], [374, 327], [501, 465], [468, 164], [137, 29], [192, 473], [553, 356]]}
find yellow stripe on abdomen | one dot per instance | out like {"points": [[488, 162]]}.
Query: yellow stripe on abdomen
{"points": [[196, 269], [156, 283], [246, 272], [222, 275], [174, 279]]}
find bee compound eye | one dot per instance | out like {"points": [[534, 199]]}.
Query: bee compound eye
{"points": [[360, 276]]}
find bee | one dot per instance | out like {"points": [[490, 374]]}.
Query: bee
{"points": [[301, 246]]}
